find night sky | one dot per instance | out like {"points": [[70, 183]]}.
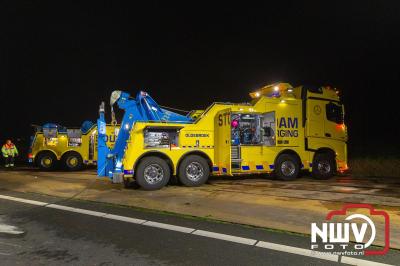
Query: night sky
{"points": [[59, 61]]}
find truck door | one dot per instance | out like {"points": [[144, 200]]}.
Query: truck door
{"points": [[315, 118], [222, 142], [334, 123]]}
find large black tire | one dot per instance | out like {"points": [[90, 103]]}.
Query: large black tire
{"points": [[72, 161], [46, 160], [287, 167], [152, 173], [193, 171], [324, 166]]}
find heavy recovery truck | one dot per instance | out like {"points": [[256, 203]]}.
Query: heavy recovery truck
{"points": [[283, 130], [54, 145]]}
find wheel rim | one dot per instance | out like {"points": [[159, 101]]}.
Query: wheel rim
{"points": [[153, 173], [194, 171], [288, 168], [324, 167], [46, 162], [72, 161]]}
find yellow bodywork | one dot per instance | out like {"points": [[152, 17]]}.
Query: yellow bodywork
{"points": [[61, 144], [210, 134]]}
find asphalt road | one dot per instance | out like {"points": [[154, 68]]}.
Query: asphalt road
{"points": [[60, 237]]}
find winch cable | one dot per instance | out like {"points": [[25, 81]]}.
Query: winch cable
{"points": [[175, 109]]}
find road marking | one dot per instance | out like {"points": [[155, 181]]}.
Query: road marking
{"points": [[209, 234], [169, 227], [298, 251], [124, 219], [5, 254], [236, 239], [10, 229], [32, 202], [354, 261], [78, 210]]}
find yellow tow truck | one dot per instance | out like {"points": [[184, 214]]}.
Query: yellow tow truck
{"points": [[284, 130], [71, 148]]}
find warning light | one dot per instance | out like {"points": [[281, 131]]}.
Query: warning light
{"points": [[276, 88], [340, 126]]}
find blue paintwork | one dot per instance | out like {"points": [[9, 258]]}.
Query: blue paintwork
{"points": [[60, 129], [142, 108], [86, 126]]}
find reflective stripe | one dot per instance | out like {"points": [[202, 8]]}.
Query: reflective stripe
{"points": [[9, 150]]}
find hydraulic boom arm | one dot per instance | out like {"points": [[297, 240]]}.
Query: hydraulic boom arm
{"points": [[141, 108]]}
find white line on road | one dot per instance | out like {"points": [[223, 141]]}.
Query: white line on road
{"points": [[354, 261], [78, 210], [32, 202], [124, 218], [5, 254], [214, 235], [236, 239], [10, 229], [169, 227]]}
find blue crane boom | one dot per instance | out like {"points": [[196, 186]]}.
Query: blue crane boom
{"points": [[141, 108]]}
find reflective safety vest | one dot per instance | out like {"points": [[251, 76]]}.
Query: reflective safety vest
{"points": [[9, 150]]}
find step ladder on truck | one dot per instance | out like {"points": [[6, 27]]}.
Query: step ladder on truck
{"points": [[283, 130]]}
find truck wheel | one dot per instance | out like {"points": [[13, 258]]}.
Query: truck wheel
{"points": [[46, 161], [72, 161], [193, 171], [152, 173], [324, 166], [287, 167]]}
